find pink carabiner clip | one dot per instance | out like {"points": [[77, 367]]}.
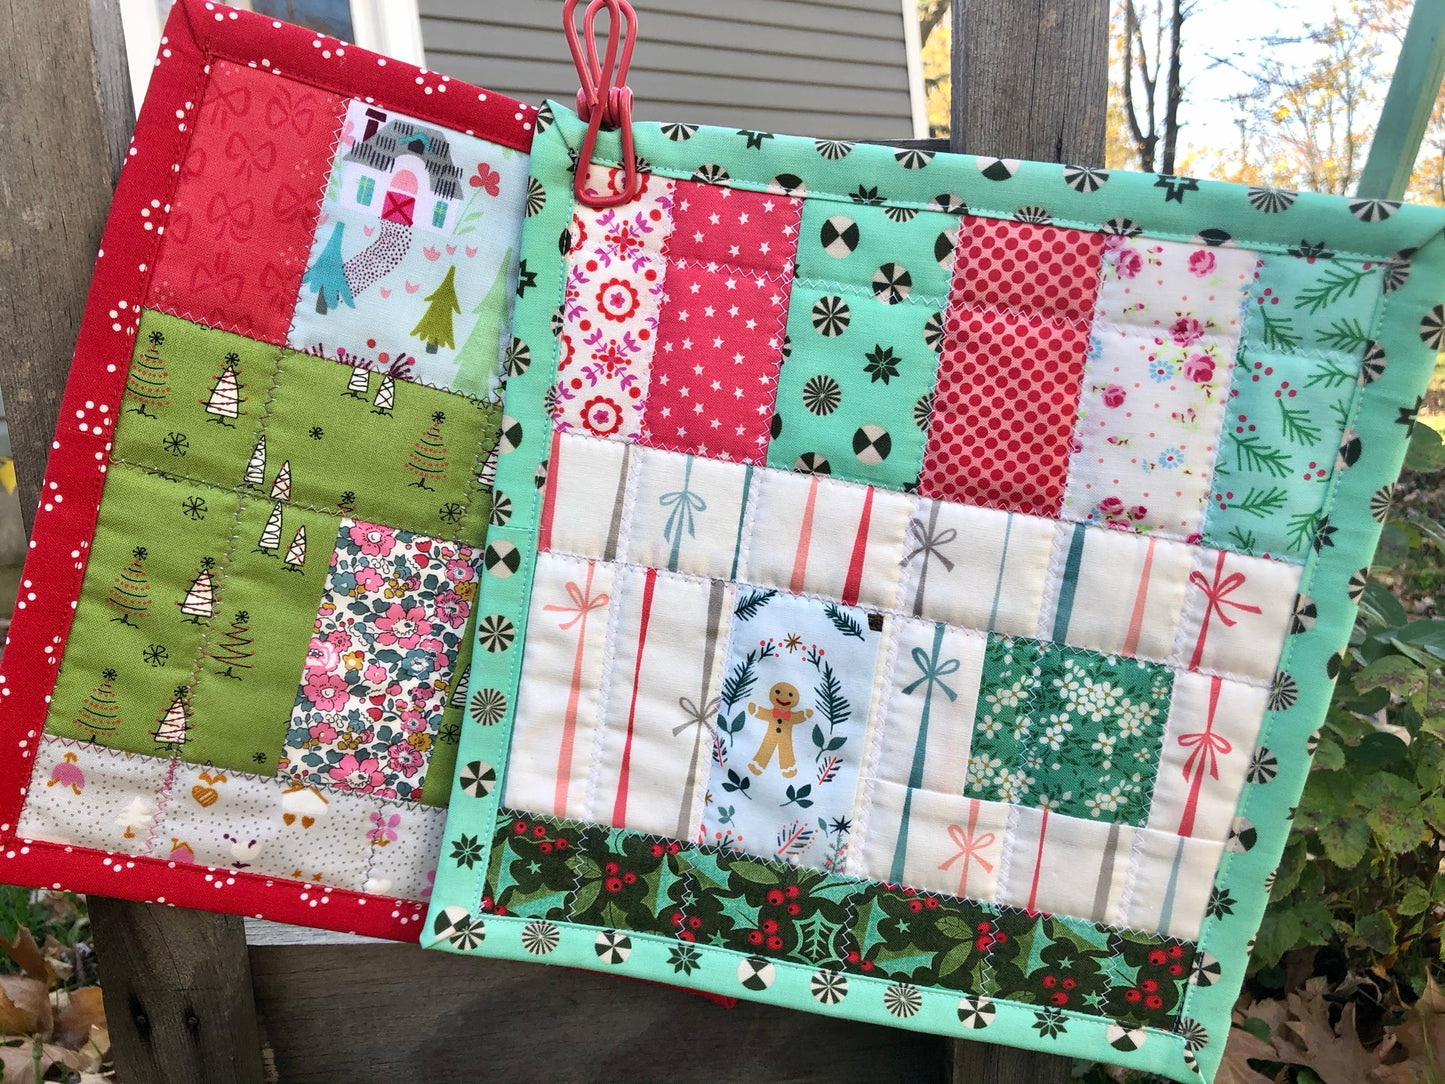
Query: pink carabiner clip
{"points": [[604, 97]]}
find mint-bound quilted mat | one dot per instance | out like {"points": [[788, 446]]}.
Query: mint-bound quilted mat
{"points": [[916, 580]]}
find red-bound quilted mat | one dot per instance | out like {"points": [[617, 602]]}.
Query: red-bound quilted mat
{"points": [[234, 678]]}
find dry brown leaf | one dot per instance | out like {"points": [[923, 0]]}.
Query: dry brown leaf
{"points": [[26, 953], [74, 1060], [18, 1063], [1234, 1068], [24, 1006], [82, 1010], [1421, 1038], [58, 958], [1336, 1055]]}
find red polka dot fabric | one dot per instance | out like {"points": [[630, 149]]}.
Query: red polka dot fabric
{"points": [[1024, 267], [1004, 409]]}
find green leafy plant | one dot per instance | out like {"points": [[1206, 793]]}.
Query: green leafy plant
{"points": [[1362, 870]]}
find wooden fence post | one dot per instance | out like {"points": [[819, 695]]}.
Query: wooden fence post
{"points": [[177, 983], [1030, 80]]}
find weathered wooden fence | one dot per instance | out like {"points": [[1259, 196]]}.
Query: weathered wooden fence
{"points": [[187, 1001]]}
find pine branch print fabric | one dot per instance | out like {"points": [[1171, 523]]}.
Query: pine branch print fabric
{"points": [[966, 695], [237, 677]]}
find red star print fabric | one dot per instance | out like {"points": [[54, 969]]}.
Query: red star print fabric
{"points": [[720, 340]]}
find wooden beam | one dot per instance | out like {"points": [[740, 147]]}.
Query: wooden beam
{"points": [[430, 1016], [58, 178], [177, 990], [1030, 80], [176, 983]]}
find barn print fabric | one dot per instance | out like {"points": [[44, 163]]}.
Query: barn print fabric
{"points": [[237, 670], [893, 613]]}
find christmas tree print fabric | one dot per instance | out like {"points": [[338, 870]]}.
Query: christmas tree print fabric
{"points": [[921, 577], [237, 671]]}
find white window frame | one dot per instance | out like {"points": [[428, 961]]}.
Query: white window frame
{"points": [[913, 50], [392, 27]]}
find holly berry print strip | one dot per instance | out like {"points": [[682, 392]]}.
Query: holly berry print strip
{"points": [[827, 722], [236, 681]]}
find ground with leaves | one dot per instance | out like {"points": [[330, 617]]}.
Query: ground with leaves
{"points": [[52, 1021]]}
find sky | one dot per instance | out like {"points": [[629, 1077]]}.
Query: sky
{"points": [[1225, 28]]}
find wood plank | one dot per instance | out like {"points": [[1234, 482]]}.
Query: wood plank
{"points": [[688, 27], [1037, 78], [177, 987], [426, 1016], [1030, 80], [679, 89], [58, 176], [176, 983]]}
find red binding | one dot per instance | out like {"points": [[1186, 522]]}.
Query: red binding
{"points": [[604, 97]]}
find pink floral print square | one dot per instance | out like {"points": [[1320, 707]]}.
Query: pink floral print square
{"points": [[391, 623]]}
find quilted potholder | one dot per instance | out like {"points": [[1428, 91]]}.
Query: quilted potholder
{"points": [[918, 578], [234, 676]]}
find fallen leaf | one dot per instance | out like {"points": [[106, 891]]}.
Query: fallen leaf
{"points": [[1336, 1055], [24, 1006], [1234, 1068], [1421, 1038], [18, 1063], [27, 955], [82, 1010], [58, 958]]}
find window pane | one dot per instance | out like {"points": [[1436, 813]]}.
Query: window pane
{"points": [[331, 17]]}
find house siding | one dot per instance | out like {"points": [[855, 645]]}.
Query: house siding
{"points": [[834, 68]]}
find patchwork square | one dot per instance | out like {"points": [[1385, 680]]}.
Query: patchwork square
{"points": [[854, 394], [588, 480], [812, 534], [1308, 301], [720, 343], [407, 274], [935, 840], [1174, 289], [1234, 605], [241, 216], [1120, 593], [792, 713], [610, 313], [379, 666], [1068, 731], [316, 253], [1148, 430], [1209, 743], [719, 226], [684, 511], [1286, 429], [559, 707], [977, 567], [1023, 267], [1048, 870], [1003, 413]]}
